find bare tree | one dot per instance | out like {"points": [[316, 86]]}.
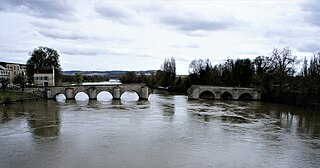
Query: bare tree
{"points": [[283, 63], [198, 65]]}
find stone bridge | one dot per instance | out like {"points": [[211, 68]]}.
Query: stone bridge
{"points": [[214, 92], [92, 91]]}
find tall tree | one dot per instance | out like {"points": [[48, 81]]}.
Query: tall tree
{"points": [[4, 83], [200, 72], [242, 71], [169, 69], [197, 65], [41, 57], [263, 72], [262, 64], [283, 64], [227, 73]]}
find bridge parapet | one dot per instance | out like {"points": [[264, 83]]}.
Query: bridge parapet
{"points": [[216, 92]]}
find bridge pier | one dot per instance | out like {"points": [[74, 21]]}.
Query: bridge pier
{"points": [[144, 93], [116, 93], [92, 93], [69, 93]]}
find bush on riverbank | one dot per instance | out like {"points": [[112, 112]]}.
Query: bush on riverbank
{"points": [[16, 97]]}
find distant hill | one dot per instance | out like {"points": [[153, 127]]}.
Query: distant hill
{"points": [[109, 74]]}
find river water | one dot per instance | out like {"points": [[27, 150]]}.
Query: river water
{"points": [[164, 132]]}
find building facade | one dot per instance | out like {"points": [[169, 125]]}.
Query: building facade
{"points": [[11, 70], [44, 76], [3, 72]]}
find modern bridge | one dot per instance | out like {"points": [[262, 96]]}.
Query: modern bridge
{"points": [[92, 91], [215, 92]]}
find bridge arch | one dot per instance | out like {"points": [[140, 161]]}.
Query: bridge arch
{"points": [[207, 95], [245, 96], [104, 96], [226, 96], [60, 96], [81, 96], [129, 95]]}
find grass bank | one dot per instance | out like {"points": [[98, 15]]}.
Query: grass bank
{"points": [[16, 97]]}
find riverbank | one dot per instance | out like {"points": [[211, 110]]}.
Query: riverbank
{"points": [[16, 97]]}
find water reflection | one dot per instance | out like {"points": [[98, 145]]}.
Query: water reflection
{"points": [[168, 109], [10, 112], [43, 117], [44, 120], [167, 104]]}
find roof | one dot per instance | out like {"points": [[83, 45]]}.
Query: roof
{"points": [[6, 63], [3, 64], [2, 67], [44, 70]]}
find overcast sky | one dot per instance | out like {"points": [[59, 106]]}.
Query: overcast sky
{"points": [[138, 35]]}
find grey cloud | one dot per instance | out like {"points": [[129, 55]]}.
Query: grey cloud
{"points": [[111, 12], [15, 50], [194, 24], [311, 8], [185, 46], [79, 51], [288, 32], [58, 9], [44, 25], [309, 47], [182, 59], [190, 23], [116, 14], [57, 34], [112, 53]]}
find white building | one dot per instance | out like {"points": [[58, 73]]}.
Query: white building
{"points": [[44, 76], [11, 70], [3, 72]]}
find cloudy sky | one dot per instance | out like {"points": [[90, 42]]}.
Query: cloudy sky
{"points": [[139, 35]]}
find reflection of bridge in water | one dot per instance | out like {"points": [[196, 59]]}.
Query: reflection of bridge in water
{"points": [[93, 90], [214, 92]]}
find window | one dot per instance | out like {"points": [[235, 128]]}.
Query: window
{"points": [[36, 78], [45, 78]]}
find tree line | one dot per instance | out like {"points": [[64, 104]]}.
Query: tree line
{"points": [[277, 75]]}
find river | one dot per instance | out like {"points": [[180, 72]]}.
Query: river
{"points": [[164, 132]]}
